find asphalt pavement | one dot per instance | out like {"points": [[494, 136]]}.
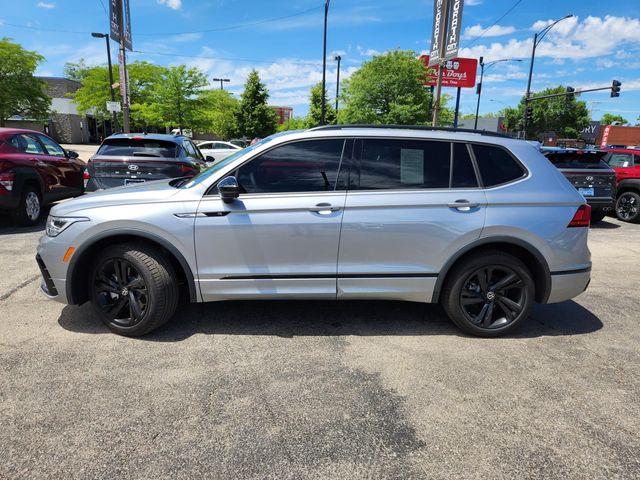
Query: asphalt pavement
{"points": [[322, 390]]}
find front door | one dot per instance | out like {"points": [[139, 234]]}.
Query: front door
{"points": [[280, 238], [411, 205]]}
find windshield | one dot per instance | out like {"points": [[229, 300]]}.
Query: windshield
{"points": [[204, 175]]}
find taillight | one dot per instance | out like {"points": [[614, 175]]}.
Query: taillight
{"points": [[187, 169], [86, 176], [7, 179], [582, 218]]}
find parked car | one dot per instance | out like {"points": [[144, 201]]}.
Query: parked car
{"points": [[34, 172], [125, 159], [590, 174], [218, 150], [240, 142], [626, 164], [479, 222]]}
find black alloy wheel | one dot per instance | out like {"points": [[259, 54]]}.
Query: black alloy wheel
{"points": [[488, 293], [493, 297], [134, 288], [121, 292], [628, 207]]}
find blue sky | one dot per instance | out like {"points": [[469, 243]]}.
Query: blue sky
{"points": [[283, 41]]}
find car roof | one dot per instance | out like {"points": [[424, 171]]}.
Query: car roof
{"points": [[151, 136], [10, 130]]}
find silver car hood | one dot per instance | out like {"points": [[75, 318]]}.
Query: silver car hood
{"points": [[149, 192]]}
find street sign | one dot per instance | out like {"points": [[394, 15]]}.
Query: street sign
{"points": [[440, 11], [114, 107], [120, 22], [454, 26], [457, 72]]}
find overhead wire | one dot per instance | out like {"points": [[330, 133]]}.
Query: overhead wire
{"points": [[475, 39]]}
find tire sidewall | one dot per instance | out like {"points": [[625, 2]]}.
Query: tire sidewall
{"points": [[20, 214]]}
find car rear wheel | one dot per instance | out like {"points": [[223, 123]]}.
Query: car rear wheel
{"points": [[133, 289], [489, 294], [628, 207], [28, 212]]}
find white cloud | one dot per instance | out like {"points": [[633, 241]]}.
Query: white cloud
{"points": [[494, 31], [473, 3], [172, 4], [48, 6], [186, 37]]}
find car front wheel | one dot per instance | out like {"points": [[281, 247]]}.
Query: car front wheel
{"points": [[628, 207], [133, 288], [489, 294]]}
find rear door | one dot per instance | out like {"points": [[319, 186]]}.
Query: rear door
{"points": [[37, 157], [411, 204]]}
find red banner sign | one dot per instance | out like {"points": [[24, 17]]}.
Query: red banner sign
{"points": [[457, 72]]}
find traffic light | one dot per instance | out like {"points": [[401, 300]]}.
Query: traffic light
{"points": [[615, 88], [570, 93], [528, 114]]}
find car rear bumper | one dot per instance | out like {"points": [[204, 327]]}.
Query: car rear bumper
{"points": [[567, 285], [605, 204]]}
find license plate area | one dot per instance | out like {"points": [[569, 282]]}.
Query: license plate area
{"points": [[129, 181], [586, 192]]}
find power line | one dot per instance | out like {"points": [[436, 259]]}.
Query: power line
{"points": [[104, 8], [232, 59], [493, 24]]}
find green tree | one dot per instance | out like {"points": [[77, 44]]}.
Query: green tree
{"points": [[220, 112], [315, 108], [297, 123], [609, 118], [76, 70], [254, 117], [563, 115], [177, 97], [94, 93], [20, 92], [389, 90]]}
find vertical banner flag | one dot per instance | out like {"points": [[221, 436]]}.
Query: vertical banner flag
{"points": [[127, 26], [452, 41], [115, 17], [439, 21]]}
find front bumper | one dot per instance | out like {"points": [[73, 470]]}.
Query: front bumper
{"points": [[567, 285], [52, 268]]}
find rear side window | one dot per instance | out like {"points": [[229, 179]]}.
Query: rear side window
{"points": [[309, 166], [191, 150], [27, 144], [131, 147], [496, 165], [403, 164], [463, 174]]}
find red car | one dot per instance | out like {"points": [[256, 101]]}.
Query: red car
{"points": [[626, 163], [35, 171]]}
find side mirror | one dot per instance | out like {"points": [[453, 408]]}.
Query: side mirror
{"points": [[228, 189], [209, 159], [72, 154]]}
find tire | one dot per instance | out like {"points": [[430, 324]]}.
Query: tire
{"points": [[30, 207], [488, 312], [628, 207], [144, 301], [597, 216]]}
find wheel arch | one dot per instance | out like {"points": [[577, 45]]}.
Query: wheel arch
{"points": [[76, 285], [526, 252], [628, 185], [27, 176]]}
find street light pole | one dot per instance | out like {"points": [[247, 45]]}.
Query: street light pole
{"points": [[221, 80], [479, 90], [323, 109], [337, 58], [537, 38], [113, 95]]}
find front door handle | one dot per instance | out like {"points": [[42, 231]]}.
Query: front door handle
{"points": [[324, 208], [463, 205]]}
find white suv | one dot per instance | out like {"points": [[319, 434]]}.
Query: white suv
{"points": [[481, 223]]}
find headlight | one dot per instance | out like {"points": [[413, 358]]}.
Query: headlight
{"points": [[56, 225]]}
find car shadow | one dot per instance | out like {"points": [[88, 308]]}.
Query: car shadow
{"points": [[325, 318], [605, 225], [8, 227]]}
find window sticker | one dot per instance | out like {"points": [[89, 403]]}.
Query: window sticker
{"points": [[411, 166]]}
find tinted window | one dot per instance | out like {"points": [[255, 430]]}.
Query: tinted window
{"points": [[131, 147], [52, 147], [191, 150], [463, 174], [26, 144], [621, 160], [496, 165], [297, 167], [400, 164], [577, 159]]}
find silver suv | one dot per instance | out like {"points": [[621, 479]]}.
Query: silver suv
{"points": [[481, 223]]}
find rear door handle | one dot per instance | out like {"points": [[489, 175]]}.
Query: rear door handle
{"points": [[463, 205], [324, 208]]}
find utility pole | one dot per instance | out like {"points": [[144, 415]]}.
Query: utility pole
{"points": [[324, 66], [124, 83], [442, 40], [221, 80], [114, 125], [337, 58]]}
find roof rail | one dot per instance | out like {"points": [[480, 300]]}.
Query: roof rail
{"points": [[411, 127]]}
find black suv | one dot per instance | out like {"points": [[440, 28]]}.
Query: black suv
{"points": [[129, 158], [590, 174]]}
